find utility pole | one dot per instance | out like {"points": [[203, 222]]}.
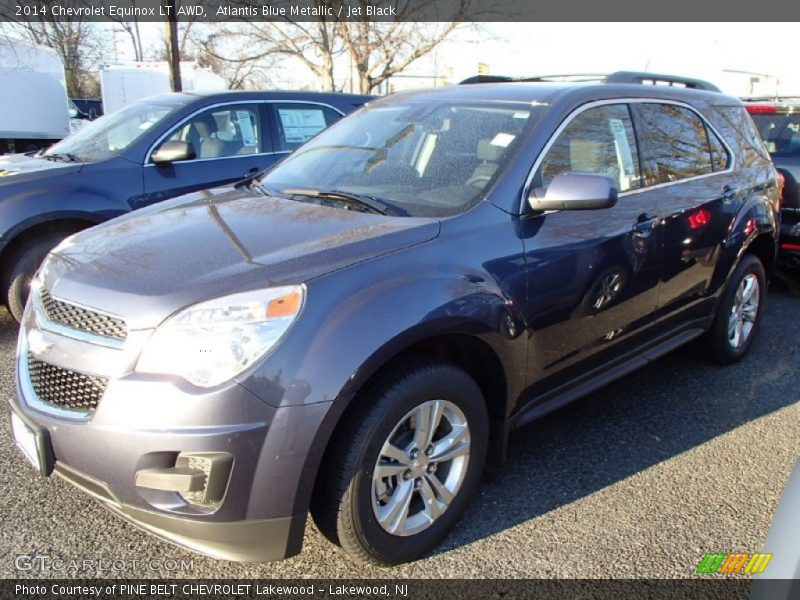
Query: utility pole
{"points": [[173, 48]]}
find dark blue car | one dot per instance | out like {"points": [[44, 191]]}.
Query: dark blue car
{"points": [[147, 151]]}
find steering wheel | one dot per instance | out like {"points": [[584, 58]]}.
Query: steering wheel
{"points": [[478, 180]]}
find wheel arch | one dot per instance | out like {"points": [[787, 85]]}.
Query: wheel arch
{"points": [[764, 247], [468, 352], [67, 223]]}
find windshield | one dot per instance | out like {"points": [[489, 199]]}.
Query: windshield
{"points": [[111, 134], [781, 133], [418, 159]]}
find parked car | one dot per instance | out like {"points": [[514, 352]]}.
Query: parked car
{"points": [[146, 152], [357, 330], [778, 121], [87, 108], [781, 578]]}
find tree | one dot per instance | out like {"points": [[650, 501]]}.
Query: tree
{"points": [[316, 44], [172, 45], [381, 50], [132, 29], [376, 50], [235, 65]]}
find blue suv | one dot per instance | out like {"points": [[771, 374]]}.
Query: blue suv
{"points": [[355, 332], [147, 151]]}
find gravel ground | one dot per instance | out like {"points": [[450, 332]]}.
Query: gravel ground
{"points": [[639, 480]]}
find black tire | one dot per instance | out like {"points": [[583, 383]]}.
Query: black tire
{"points": [[717, 342], [342, 506], [21, 269]]}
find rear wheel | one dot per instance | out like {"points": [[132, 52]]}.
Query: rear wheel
{"points": [[21, 269], [401, 473], [739, 313]]}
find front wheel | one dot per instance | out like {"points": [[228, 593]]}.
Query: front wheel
{"points": [[401, 473], [739, 313], [21, 269]]}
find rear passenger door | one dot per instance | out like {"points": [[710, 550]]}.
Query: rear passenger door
{"points": [[230, 143], [686, 168]]}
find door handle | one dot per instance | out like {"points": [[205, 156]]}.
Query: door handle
{"points": [[645, 224]]}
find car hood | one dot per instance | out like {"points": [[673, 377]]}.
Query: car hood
{"points": [[15, 168], [148, 264]]}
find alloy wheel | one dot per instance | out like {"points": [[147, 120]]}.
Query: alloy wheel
{"points": [[744, 311], [421, 467]]}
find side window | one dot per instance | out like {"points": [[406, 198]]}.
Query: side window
{"points": [[220, 132], [297, 123], [719, 154], [675, 143], [599, 140]]}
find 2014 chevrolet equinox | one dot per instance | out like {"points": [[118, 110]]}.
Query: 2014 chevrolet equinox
{"points": [[355, 331]]}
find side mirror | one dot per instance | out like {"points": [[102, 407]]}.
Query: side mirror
{"points": [[576, 191], [173, 151]]}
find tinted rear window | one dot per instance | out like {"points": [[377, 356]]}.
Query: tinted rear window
{"points": [[676, 143], [781, 133]]}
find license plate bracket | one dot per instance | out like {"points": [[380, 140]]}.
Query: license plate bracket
{"points": [[34, 443]]}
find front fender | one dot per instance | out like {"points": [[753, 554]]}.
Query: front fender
{"points": [[347, 333], [21, 212]]}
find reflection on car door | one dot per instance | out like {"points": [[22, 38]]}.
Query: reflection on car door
{"points": [[685, 160], [592, 275], [230, 143]]}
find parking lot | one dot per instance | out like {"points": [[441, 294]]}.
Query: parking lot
{"points": [[639, 480]]}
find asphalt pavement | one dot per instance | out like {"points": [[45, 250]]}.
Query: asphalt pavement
{"points": [[640, 479]]}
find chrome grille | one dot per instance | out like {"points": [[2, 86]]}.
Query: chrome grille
{"points": [[82, 319], [64, 388]]}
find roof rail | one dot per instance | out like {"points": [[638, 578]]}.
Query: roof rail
{"points": [[656, 78], [486, 79], [618, 77], [574, 77]]}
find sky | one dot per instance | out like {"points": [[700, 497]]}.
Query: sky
{"points": [[703, 50], [712, 51]]}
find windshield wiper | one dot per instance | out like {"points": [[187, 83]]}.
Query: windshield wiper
{"points": [[368, 202], [62, 156]]}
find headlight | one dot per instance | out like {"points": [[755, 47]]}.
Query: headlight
{"points": [[212, 342]]}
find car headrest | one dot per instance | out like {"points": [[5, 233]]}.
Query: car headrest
{"points": [[205, 126]]}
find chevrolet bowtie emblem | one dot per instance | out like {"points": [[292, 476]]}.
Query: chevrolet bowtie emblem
{"points": [[38, 342]]}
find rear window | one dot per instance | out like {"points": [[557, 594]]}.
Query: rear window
{"points": [[738, 119], [676, 143], [781, 133]]}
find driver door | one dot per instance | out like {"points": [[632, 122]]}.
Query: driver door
{"points": [[229, 142], [592, 275]]}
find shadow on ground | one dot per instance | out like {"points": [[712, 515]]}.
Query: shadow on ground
{"points": [[660, 411]]}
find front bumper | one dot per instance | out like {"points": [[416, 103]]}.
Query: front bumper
{"points": [[146, 422], [252, 540]]}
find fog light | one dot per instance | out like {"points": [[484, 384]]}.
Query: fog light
{"points": [[217, 469], [201, 478]]}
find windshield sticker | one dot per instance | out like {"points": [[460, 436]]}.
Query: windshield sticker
{"points": [[624, 154], [502, 139], [246, 125], [301, 125]]}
